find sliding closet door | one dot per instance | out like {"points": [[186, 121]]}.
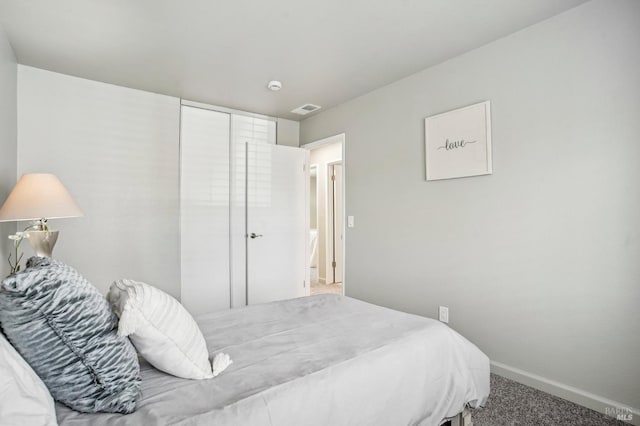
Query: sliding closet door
{"points": [[204, 209], [258, 131], [243, 212], [277, 215]]}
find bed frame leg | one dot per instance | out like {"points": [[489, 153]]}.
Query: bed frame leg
{"points": [[462, 419]]}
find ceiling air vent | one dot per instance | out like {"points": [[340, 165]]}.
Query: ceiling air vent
{"points": [[306, 109]]}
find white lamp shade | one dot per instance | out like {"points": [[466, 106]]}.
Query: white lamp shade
{"points": [[38, 196]]}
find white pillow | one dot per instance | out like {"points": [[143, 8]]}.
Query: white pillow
{"points": [[161, 329], [24, 399]]}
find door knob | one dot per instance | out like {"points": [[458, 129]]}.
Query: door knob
{"points": [[254, 235]]}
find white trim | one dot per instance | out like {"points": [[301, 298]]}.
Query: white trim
{"points": [[570, 393], [328, 267], [200, 105], [339, 138], [307, 222], [180, 198], [326, 141]]}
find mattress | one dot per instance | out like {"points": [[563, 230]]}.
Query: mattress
{"points": [[320, 360]]}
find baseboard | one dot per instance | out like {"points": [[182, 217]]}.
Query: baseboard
{"points": [[578, 396], [322, 280]]}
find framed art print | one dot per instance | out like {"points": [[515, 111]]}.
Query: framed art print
{"points": [[458, 143]]}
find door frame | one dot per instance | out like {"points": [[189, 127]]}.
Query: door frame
{"points": [[339, 138], [330, 218]]}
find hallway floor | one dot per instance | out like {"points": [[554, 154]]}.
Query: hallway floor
{"points": [[320, 288]]}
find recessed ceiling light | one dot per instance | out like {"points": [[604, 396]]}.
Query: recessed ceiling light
{"points": [[274, 85]]}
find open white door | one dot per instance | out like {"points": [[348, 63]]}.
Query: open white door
{"points": [[277, 222]]}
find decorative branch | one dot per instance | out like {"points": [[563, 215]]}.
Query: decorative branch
{"points": [[17, 240], [39, 225]]}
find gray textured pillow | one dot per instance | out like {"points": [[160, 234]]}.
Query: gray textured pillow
{"points": [[66, 330]]}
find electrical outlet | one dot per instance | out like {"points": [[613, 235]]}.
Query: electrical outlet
{"points": [[443, 314]]}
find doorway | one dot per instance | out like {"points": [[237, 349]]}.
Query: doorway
{"points": [[326, 209]]}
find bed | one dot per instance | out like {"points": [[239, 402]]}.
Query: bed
{"points": [[320, 360]]}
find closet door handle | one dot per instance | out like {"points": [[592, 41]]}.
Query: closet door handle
{"points": [[254, 235]]}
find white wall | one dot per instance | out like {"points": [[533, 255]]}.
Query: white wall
{"points": [[539, 263], [321, 157], [8, 141], [288, 132], [116, 150]]}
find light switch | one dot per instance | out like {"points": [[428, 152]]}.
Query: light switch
{"points": [[351, 222], [443, 314]]}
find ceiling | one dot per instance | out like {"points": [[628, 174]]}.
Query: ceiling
{"points": [[325, 52]]}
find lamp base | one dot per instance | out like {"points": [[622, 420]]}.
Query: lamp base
{"points": [[43, 242]]}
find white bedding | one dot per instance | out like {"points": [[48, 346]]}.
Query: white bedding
{"points": [[321, 360]]}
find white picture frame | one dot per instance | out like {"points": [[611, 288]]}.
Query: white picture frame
{"points": [[458, 143]]}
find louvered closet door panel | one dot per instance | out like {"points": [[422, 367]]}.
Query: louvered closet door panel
{"points": [[204, 209], [252, 130]]}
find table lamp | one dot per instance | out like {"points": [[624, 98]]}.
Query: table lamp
{"points": [[39, 197]]}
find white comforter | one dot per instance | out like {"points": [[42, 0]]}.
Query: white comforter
{"points": [[321, 360]]}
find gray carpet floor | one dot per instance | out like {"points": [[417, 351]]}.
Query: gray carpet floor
{"points": [[320, 288], [512, 404]]}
